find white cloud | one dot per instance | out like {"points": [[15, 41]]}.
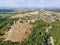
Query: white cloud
{"points": [[29, 3], [8, 3]]}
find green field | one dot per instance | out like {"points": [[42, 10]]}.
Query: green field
{"points": [[55, 32]]}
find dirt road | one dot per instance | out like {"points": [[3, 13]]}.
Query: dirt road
{"points": [[51, 38]]}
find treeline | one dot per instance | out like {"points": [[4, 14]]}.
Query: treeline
{"points": [[4, 24]]}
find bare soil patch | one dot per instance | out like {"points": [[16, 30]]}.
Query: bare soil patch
{"points": [[18, 32]]}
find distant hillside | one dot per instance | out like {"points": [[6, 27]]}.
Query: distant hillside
{"points": [[6, 10], [52, 9]]}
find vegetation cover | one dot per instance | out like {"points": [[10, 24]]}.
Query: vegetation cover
{"points": [[55, 32], [38, 35]]}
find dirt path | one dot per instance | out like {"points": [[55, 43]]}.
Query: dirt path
{"points": [[51, 38]]}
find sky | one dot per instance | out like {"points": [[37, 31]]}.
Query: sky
{"points": [[29, 3]]}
